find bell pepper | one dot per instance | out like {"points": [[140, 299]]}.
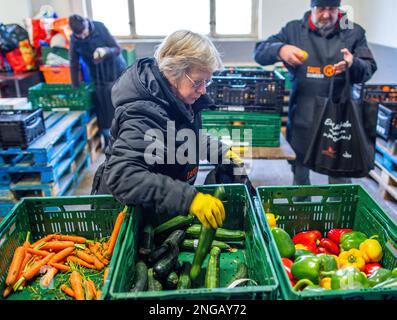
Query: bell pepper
{"points": [[301, 252], [287, 266], [352, 240], [349, 278], [370, 268], [336, 234], [272, 220], [371, 250], [308, 286], [389, 283], [326, 283], [328, 262], [312, 247], [352, 258], [306, 237], [307, 267], [329, 246], [284, 243], [379, 276]]}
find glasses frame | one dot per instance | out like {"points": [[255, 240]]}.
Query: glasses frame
{"points": [[198, 83]]}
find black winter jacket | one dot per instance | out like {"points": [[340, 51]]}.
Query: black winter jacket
{"points": [[144, 101]]}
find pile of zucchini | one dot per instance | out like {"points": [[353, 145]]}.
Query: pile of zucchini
{"points": [[158, 267]]}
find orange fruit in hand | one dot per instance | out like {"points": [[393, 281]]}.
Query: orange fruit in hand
{"points": [[305, 55]]}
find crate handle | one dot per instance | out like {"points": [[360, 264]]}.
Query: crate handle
{"points": [[381, 116], [238, 86], [33, 122]]}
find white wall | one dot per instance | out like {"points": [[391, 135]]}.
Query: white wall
{"points": [[14, 11], [379, 19]]}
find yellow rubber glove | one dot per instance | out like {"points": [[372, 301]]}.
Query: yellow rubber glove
{"points": [[208, 209], [233, 157]]}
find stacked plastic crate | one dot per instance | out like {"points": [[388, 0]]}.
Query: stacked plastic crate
{"points": [[246, 99], [385, 172]]}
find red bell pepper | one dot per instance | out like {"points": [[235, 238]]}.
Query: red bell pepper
{"points": [[287, 266], [307, 237], [329, 246], [371, 268], [336, 234]]}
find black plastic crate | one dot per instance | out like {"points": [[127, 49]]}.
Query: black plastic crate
{"points": [[19, 128], [387, 121], [245, 91], [245, 72], [381, 93]]}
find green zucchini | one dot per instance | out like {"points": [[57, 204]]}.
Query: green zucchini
{"points": [[205, 240], [221, 234], [147, 240], [212, 275], [140, 277], [164, 266], [158, 253], [172, 280], [242, 273], [191, 245], [184, 281], [178, 222], [175, 238], [153, 284]]}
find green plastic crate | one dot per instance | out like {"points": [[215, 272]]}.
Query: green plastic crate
{"points": [[61, 97], [240, 215], [92, 217], [336, 206], [265, 127]]}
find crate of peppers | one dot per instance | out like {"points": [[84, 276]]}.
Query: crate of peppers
{"points": [[329, 242], [181, 259]]}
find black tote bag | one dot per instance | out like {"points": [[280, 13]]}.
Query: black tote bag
{"points": [[343, 143]]}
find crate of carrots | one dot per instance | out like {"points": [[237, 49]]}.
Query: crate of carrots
{"points": [[60, 248]]}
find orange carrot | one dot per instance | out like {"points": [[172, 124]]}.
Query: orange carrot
{"points": [[116, 230], [98, 294], [47, 278], [80, 262], [69, 291], [45, 239], [95, 250], [98, 264], [93, 289], [88, 290], [15, 266], [57, 245], [40, 253], [59, 266], [85, 256], [75, 239], [62, 254], [105, 275], [76, 282], [7, 292]]}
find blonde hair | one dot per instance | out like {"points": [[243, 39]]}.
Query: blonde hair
{"points": [[182, 50]]}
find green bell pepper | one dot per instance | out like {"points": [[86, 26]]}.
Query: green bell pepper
{"points": [[308, 286], [328, 262], [284, 243], [379, 276], [352, 240], [307, 267], [349, 278], [302, 252]]}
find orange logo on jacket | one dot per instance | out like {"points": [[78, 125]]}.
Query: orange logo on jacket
{"points": [[329, 70], [192, 173]]}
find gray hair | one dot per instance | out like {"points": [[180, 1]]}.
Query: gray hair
{"points": [[182, 50]]}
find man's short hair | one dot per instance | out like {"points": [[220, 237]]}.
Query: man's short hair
{"points": [[77, 23]]}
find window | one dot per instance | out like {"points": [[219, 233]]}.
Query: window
{"points": [[157, 18]]}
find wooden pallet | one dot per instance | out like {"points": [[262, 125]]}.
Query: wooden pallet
{"points": [[94, 146], [387, 183]]}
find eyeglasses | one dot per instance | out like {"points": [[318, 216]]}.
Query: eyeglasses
{"points": [[196, 84]]}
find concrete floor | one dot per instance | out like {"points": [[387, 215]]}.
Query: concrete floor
{"points": [[266, 173]]}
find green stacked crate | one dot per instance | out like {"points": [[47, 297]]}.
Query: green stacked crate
{"points": [[61, 97], [92, 217], [240, 215], [342, 206], [265, 127]]}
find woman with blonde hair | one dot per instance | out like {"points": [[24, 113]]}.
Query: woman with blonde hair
{"points": [[163, 95]]}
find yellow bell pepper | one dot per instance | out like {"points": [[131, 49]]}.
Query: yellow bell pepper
{"points": [[325, 283], [272, 220], [353, 257], [371, 250]]}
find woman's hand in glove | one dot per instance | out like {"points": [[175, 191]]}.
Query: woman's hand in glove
{"points": [[208, 210]]}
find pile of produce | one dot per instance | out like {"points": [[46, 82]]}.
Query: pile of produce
{"points": [[62, 266], [343, 260]]}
